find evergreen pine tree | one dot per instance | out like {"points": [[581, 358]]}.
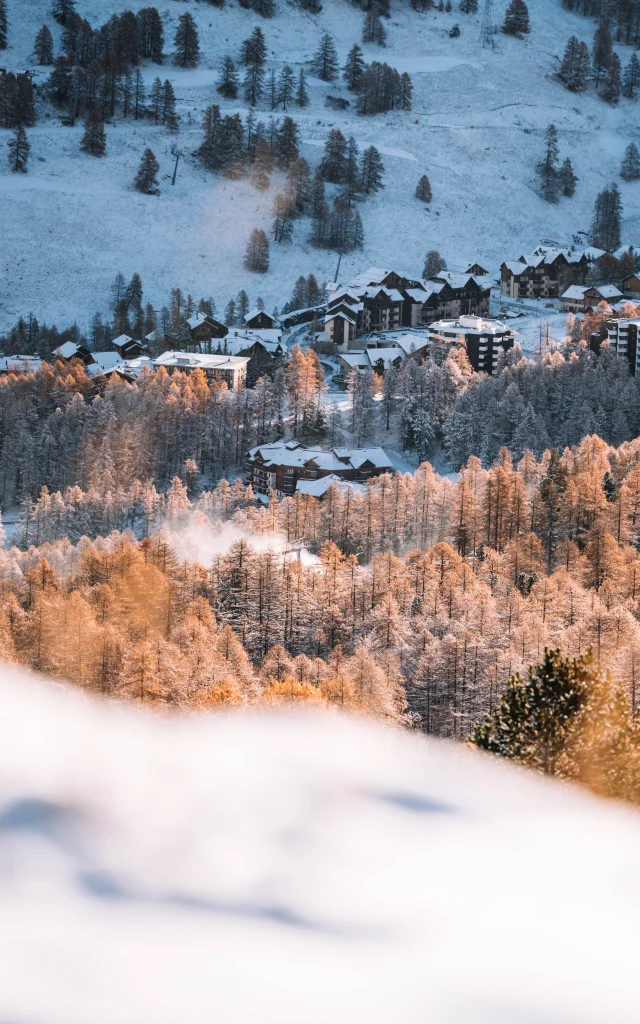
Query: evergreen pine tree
{"points": [[3, 24], [228, 81], [156, 101], [575, 69], [332, 165], [19, 150], [138, 96], [631, 78], [423, 190], [516, 19], [567, 178], [146, 179], [43, 46], [63, 10], [612, 84], [433, 264], [602, 50], [302, 96], [286, 143], [630, 169], [187, 47], [169, 116], [257, 254], [94, 140], [353, 70], [286, 87], [230, 315], [282, 219], [351, 178], [371, 171], [325, 62], [242, 305], [469, 6], [548, 168], [605, 226]]}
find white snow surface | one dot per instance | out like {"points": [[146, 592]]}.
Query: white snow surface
{"points": [[292, 868], [476, 129]]}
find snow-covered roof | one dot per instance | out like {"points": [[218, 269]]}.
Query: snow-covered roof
{"points": [[66, 351], [516, 267], [19, 364], [419, 294], [348, 295], [196, 320], [622, 251], [412, 343], [106, 360], [373, 275], [607, 291], [387, 355], [259, 312], [343, 315], [121, 340], [318, 488], [576, 291], [432, 286], [240, 338], [358, 456], [281, 454], [470, 325], [358, 360], [194, 360]]}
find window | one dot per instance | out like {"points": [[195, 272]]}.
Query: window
{"points": [[288, 472]]}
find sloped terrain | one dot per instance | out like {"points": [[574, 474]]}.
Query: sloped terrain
{"points": [[476, 129]]}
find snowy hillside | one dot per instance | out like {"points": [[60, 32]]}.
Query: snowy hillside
{"points": [[297, 868], [476, 129]]}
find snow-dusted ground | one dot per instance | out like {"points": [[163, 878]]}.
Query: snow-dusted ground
{"points": [[297, 868], [476, 129]]}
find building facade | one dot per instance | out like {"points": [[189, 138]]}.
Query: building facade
{"points": [[230, 369], [622, 336], [543, 274], [484, 339], [279, 466]]}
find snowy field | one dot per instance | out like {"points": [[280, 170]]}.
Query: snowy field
{"points": [[297, 868], [476, 129]]}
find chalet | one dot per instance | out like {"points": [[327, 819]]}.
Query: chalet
{"points": [[264, 349], [258, 318], [483, 339], [127, 348], [477, 270], [383, 300], [623, 336], [582, 298], [201, 332], [545, 273], [631, 286], [385, 349], [19, 364], [280, 466], [230, 369], [70, 351]]}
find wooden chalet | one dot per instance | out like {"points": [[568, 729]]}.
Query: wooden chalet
{"points": [[545, 274], [258, 318], [127, 348], [279, 466]]}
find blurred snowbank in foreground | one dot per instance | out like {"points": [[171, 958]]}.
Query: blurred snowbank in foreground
{"points": [[294, 870]]}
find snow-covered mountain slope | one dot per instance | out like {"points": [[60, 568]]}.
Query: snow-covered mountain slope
{"points": [[476, 129], [289, 868]]}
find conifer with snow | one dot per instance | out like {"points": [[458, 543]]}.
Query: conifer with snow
{"points": [[575, 70], [94, 140], [332, 165], [325, 61], [567, 179], [548, 167], [146, 179], [19, 149], [254, 56], [423, 190], [286, 87], [630, 169], [631, 78], [168, 107], [607, 214], [256, 256], [228, 82], [612, 82], [468, 6], [3, 24], [372, 170], [373, 30], [602, 51], [302, 96], [516, 19], [187, 46], [354, 68], [43, 46], [433, 264]]}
